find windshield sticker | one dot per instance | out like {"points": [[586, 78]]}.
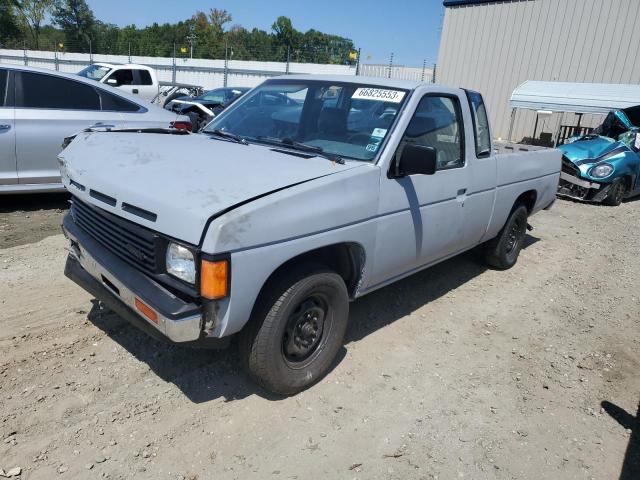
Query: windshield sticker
{"points": [[379, 132], [372, 147], [378, 94]]}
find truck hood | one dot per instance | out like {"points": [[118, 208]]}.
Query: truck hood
{"points": [[175, 183], [580, 152]]}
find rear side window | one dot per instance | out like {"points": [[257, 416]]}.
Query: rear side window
{"points": [[145, 77], [36, 90], [3, 87], [114, 103], [480, 124]]}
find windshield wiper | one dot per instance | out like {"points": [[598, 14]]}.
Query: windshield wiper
{"points": [[302, 147], [228, 135]]}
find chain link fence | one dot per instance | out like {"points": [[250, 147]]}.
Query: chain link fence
{"points": [[235, 65]]}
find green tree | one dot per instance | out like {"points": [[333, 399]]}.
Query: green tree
{"points": [[9, 29], [76, 19], [33, 13]]}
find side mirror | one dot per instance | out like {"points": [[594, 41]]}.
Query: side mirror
{"points": [[418, 159], [112, 81]]}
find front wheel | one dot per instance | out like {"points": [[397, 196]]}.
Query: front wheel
{"points": [[297, 330], [502, 251], [616, 194]]}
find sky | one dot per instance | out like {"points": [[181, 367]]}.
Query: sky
{"points": [[409, 28]]}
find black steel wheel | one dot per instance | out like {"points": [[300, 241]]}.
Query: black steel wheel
{"points": [[502, 252], [296, 330], [617, 192]]}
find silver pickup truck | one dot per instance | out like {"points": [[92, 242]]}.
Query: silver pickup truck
{"points": [[308, 192]]}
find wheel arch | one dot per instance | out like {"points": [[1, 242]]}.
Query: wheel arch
{"points": [[528, 199]]}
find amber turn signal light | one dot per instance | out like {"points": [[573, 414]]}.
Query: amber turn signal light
{"points": [[214, 279], [147, 311]]}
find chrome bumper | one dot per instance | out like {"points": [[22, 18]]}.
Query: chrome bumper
{"points": [[93, 268]]}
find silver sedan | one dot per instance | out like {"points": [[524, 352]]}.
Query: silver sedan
{"points": [[39, 108]]}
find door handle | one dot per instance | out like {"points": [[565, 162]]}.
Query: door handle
{"points": [[135, 90], [462, 191], [5, 128], [461, 196]]}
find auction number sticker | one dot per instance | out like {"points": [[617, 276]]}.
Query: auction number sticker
{"points": [[379, 94]]}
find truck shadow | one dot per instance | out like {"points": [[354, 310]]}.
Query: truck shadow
{"points": [[631, 464], [204, 375]]}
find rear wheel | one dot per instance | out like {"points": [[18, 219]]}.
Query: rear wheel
{"points": [[297, 330], [502, 251], [616, 194]]}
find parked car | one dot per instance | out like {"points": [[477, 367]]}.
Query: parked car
{"points": [[202, 108], [271, 236], [132, 78], [604, 166], [39, 108]]}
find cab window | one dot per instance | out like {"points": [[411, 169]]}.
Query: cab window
{"points": [[122, 77], [480, 124], [3, 87], [437, 123]]}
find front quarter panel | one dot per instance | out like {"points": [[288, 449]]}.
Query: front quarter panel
{"points": [[264, 234]]}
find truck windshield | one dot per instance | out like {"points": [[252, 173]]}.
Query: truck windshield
{"points": [[94, 72], [341, 119]]}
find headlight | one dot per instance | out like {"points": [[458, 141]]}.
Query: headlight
{"points": [[180, 263], [601, 171]]}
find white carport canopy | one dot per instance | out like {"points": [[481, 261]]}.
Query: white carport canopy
{"points": [[574, 97]]}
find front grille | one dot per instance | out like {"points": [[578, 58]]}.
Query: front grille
{"points": [[570, 168], [135, 245]]}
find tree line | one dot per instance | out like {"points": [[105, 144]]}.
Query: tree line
{"points": [[71, 26]]}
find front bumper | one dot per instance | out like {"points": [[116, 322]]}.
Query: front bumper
{"points": [[117, 285], [580, 189]]}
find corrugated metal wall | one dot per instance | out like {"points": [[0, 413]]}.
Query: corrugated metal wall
{"points": [[493, 47]]}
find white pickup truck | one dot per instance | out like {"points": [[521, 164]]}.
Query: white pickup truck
{"points": [[308, 192], [134, 79]]}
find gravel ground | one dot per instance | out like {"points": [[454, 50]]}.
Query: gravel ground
{"points": [[455, 372]]}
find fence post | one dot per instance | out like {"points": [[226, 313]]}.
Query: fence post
{"points": [[56, 56], [173, 74], [288, 59], [390, 64], [226, 62], [24, 48], [358, 63], [433, 74]]}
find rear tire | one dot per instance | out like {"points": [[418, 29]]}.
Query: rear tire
{"points": [[296, 330], [502, 251], [617, 192]]}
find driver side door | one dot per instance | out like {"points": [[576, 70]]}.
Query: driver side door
{"points": [[422, 217]]}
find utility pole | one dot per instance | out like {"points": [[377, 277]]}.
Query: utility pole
{"points": [[90, 53], [358, 62], [191, 39], [129, 52], [390, 64], [433, 74], [424, 67]]}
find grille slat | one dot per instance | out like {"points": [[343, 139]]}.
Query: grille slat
{"points": [[128, 241], [137, 241]]}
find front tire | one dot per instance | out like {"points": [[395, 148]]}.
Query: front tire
{"points": [[297, 330], [616, 194], [502, 252]]}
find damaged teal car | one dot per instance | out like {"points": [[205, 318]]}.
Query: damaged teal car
{"points": [[604, 166]]}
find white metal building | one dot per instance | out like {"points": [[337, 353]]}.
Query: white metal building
{"points": [[495, 46]]}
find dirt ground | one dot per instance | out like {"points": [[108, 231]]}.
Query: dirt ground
{"points": [[456, 372]]}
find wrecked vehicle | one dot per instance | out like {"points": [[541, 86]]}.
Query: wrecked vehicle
{"points": [[278, 214], [604, 166], [202, 108]]}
